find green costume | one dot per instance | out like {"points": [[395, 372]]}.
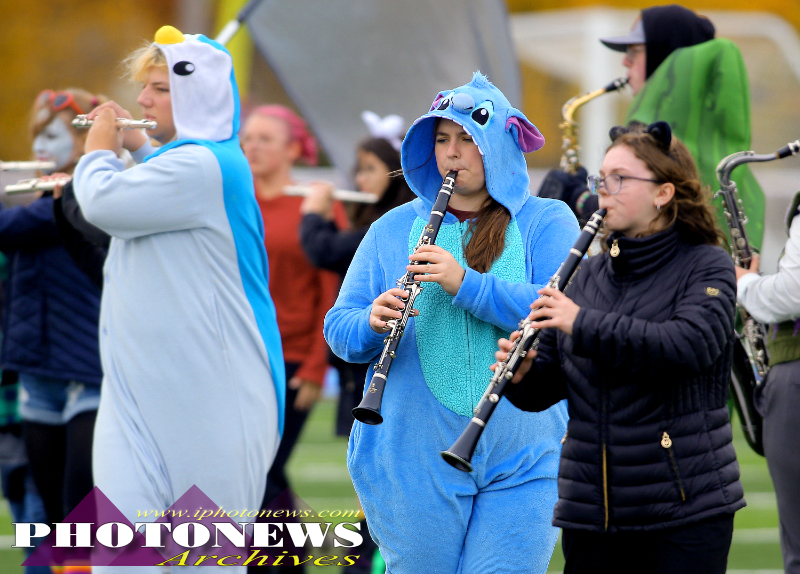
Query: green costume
{"points": [[703, 92]]}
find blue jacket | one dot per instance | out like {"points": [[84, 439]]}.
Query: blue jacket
{"points": [[645, 374], [51, 307]]}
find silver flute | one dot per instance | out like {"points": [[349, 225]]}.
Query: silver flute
{"points": [[35, 184], [26, 165], [82, 122], [338, 194]]}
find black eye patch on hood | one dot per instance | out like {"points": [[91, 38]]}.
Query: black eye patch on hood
{"points": [[183, 68]]}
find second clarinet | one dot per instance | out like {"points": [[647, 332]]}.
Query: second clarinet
{"points": [[369, 410], [460, 454]]}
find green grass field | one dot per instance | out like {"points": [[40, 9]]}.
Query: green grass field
{"points": [[318, 475]]}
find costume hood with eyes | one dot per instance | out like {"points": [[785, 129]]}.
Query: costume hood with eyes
{"points": [[206, 111], [501, 132], [190, 346], [443, 358], [203, 107]]}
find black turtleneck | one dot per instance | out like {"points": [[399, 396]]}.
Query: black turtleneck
{"points": [[640, 256]]}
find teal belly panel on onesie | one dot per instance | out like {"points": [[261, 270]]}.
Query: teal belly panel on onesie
{"points": [[455, 347]]}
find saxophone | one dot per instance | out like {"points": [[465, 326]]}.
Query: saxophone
{"points": [[569, 140], [750, 356]]}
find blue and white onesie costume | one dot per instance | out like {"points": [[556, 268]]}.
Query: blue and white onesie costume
{"points": [[425, 515], [194, 379]]}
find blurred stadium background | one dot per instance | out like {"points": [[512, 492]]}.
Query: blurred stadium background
{"points": [[63, 43]]}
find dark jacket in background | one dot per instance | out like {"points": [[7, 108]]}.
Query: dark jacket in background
{"points": [[87, 244], [646, 375], [326, 246], [51, 307]]}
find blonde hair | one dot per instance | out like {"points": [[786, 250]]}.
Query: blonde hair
{"points": [[139, 63]]}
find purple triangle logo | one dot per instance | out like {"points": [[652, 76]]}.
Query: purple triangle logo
{"points": [[194, 531]]}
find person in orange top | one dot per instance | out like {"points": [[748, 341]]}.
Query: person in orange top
{"points": [[274, 139]]}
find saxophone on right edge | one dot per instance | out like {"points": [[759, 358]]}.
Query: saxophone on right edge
{"points": [[750, 356]]}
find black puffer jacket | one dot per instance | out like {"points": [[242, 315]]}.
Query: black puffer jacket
{"points": [[646, 375]]}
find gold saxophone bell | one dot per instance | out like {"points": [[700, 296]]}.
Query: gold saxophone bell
{"points": [[569, 141]]}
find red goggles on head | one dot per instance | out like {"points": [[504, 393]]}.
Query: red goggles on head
{"points": [[59, 101]]}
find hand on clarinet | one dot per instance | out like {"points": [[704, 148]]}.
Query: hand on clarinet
{"points": [[442, 268], [741, 271], [555, 309], [385, 307], [505, 346], [131, 139]]}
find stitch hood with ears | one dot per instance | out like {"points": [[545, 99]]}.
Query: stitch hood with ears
{"points": [[205, 99], [501, 132]]}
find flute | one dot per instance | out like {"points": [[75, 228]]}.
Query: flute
{"points": [[460, 454], [339, 194], [80, 121], [35, 184], [26, 165]]}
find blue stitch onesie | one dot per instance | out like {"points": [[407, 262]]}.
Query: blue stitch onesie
{"points": [[194, 378], [426, 516]]}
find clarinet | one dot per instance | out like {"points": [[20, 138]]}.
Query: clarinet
{"points": [[751, 360], [460, 454], [369, 410]]}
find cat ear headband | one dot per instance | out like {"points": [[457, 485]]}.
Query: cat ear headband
{"points": [[660, 131], [389, 128]]}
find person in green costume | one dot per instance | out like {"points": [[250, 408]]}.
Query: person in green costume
{"points": [[680, 73]]}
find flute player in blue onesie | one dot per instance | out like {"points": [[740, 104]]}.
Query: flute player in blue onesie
{"points": [[194, 381], [496, 247]]}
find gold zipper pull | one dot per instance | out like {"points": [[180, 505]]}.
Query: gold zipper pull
{"points": [[564, 438], [614, 249], [666, 442]]}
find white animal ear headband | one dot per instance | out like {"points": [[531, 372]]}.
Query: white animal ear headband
{"points": [[389, 128]]}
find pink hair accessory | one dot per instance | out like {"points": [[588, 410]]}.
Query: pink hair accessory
{"points": [[298, 130]]}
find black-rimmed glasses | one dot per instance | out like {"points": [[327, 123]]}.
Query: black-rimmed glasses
{"points": [[612, 183]]}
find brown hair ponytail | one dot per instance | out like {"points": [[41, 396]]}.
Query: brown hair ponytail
{"points": [[486, 235]]}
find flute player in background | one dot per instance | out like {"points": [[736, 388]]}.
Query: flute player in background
{"points": [[274, 139], [189, 339], [50, 325]]}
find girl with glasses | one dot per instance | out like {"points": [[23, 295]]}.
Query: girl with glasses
{"points": [[641, 347]]}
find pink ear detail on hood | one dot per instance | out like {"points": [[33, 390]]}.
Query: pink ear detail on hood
{"points": [[528, 137]]}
